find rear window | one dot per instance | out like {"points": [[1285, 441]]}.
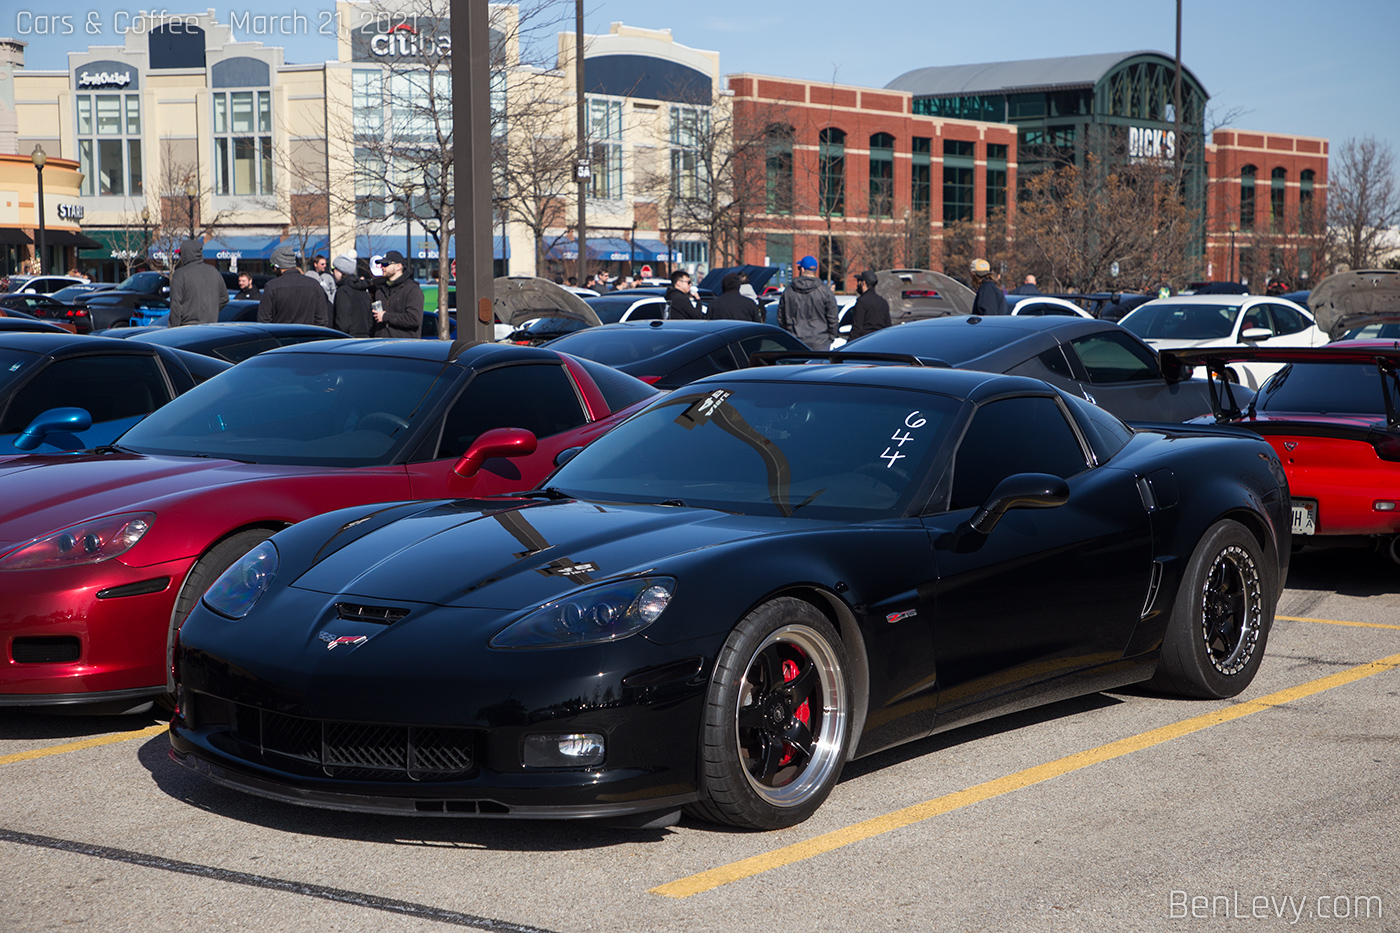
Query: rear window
{"points": [[619, 389], [955, 343], [1182, 321], [622, 345], [1326, 388]]}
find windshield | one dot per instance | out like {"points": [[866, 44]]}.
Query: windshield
{"points": [[141, 282], [1182, 321], [611, 309], [952, 340], [13, 365], [1324, 388], [845, 452], [617, 346], [297, 408]]}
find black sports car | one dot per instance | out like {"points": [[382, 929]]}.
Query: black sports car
{"points": [[717, 604], [1097, 360], [234, 342], [668, 354]]}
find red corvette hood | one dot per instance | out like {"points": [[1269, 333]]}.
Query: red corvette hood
{"points": [[39, 495]]}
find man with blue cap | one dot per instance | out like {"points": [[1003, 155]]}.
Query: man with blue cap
{"points": [[807, 307]]}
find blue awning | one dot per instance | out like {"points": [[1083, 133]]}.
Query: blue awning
{"points": [[312, 247], [654, 251], [240, 247], [603, 249], [379, 245]]}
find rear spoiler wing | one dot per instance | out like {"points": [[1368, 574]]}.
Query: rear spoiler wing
{"points": [[1216, 360]]}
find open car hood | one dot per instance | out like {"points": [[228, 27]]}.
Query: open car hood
{"points": [[1351, 299], [523, 298], [919, 293]]}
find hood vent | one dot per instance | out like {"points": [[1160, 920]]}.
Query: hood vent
{"points": [[379, 615]]}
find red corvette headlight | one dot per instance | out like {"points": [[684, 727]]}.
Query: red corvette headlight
{"points": [[86, 543]]}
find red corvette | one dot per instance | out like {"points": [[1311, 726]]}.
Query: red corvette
{"points": [[1333, 415], [102, 554]]}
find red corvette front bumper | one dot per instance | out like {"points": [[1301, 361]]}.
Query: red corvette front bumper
{"points": [[86, 633]]}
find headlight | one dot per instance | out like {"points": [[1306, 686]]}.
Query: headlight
{"points": [[240, 586], [87, 543], [590, 616]]}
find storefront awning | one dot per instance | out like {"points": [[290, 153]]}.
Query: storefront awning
{"points": [[240, 247], [379, 245], [10, 236], [603, 249], [655, 251], [65, 238]]}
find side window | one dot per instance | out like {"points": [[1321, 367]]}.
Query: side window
{"points": [[1054, 360], [1287, 320], [108, 387], [1256, 316], [1010, 436], [539, 397], [1110, 358], [651, 311], [1105, 433]]}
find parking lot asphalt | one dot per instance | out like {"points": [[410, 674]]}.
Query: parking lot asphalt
{"points": [[1120, 811]]}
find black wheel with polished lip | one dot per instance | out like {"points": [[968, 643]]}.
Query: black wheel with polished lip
{"points": [[777, 719], [1215, 638]]}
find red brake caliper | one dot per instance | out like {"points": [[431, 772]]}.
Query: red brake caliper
{"points": [[803, 713]]}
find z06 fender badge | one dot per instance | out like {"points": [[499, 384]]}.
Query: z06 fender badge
{"points": [[334, 641], [894, 617]]}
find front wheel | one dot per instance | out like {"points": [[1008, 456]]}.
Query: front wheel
{"points": [[777, 719], [1220, 623]]}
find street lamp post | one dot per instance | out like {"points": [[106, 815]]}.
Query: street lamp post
{"points": [[408, 226], [39, 158], [190, 192], [145, 233], [1234, 227]]}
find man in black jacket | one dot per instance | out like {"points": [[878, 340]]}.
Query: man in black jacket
{"points": [[352, 296], [871, 312], [401, 311], [990, 298], [197, 290], [292, 298], [731, 305], [681, 303]]}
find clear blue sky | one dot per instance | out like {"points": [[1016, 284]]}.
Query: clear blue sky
{"points": [[1291, 66]]}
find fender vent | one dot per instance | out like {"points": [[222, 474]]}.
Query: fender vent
{"points": [[379, 615], [1154, 586], [46, 649]]}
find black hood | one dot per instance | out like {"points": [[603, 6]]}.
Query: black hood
{"points": [[191, 251], [732, 281]]}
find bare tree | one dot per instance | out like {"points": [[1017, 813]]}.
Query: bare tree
{"points": [[534, 160], [181, 199], [1363, 201]]}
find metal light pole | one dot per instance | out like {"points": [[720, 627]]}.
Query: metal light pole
{"points": [[1233, 228], [190, 192], [39, 158], [471, 190], [408, 226], [145, 234], [584, 169]]}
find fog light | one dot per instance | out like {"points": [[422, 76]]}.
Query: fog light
{"points": [[572, 750], [1384, 505]]}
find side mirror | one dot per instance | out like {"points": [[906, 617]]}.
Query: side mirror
{"points": [[1256, 333], [1022, 491], [53, 421], [497, 442]]}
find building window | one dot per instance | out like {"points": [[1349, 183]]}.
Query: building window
{"points": [[369, 184], [920, 184], [996, 177], [367, 96], [109, 143], [690, 127], [832, 171], [778, 168], [693, 252], [605, 147], [1278, 182], [243, 142], [957, 180], [1247, 198], [1305, 201], [881, 175]]}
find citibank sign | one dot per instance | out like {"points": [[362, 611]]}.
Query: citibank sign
{"points": [[423, 38], [1151, 144]]}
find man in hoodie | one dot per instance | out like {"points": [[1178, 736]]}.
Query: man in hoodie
{"points": [[292, 298], [807, 308], [682, 304], [352, 296], [197, 290], [731, 305], [401, 314]]}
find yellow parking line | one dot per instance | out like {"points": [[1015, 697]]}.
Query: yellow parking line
{"points": [[85, 743], [1337, 622], [715, 877]]}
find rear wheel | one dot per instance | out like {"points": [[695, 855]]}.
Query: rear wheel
{"points": [[1220, 623], [777, 719], [206, 570]]}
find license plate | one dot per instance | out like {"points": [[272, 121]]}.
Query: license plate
{"points": [[1304, 517]]}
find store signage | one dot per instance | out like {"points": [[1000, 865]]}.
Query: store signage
{"points": [[70, 212], [1144, 143], [103, 79], [402, 36]]}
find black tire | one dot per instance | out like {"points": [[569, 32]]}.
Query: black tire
{"points": [[1219, 626], [776, 721], [206, 570]]}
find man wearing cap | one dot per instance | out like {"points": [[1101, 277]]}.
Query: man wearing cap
{"points": [[292, 298], [401, 301], [352, 295], [807, 307], [197, 290], [871, 312], [990, 299]]}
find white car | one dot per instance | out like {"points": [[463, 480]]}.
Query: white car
{"points": [[43, 284], [1041, 305], [1226, 321]]}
